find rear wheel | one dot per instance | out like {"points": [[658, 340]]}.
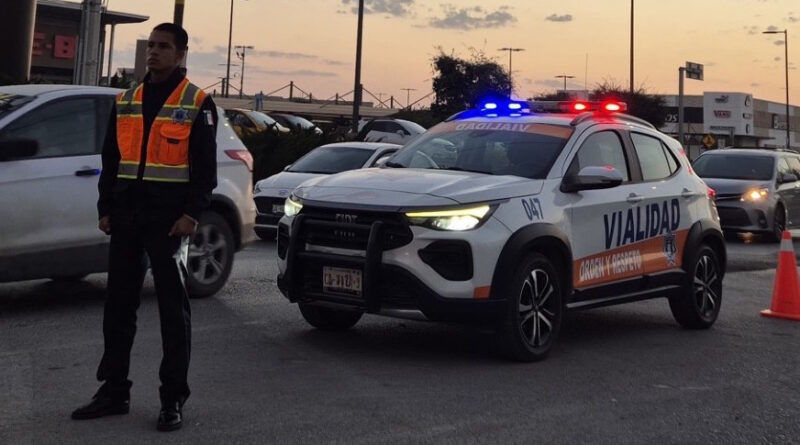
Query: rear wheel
{"points": [[329, 319], [698, 304], [210, 256], [534, 310]]}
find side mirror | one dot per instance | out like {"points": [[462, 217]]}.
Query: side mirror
{"points": [[592, 178], [18, 148], [787, 177], [287, 167]]}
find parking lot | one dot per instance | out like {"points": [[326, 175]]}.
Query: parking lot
{"points": [[259, 374]]}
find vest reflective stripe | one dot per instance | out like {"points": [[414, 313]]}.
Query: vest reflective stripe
{"points": [[167, 148]]}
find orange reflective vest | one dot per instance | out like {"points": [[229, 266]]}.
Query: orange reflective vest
{"points": [[167, 157]]}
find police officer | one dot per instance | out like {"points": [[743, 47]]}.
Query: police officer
{"points": [[159, 168]]}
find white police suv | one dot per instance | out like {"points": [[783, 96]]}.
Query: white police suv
{"points": [[508, 215]]}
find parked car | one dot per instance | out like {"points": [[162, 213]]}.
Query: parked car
{"points": [[246, 122], [51, 137], [270, 193], [756, 190], [394, 131], [291, 121]]}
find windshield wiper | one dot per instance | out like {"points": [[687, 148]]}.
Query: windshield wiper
{"points": [[391, 164], [459, 169]]}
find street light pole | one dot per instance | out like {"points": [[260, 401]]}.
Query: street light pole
{"points": [[244, 48], [228, 70], [786, 63], [510, 50], [565, 77], [631, 46], [357, 87], [408, 95]]}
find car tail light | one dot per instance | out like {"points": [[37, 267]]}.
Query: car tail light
{"points": [[711, 193], [241, 155]]}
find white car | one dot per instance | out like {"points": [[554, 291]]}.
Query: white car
{"points": [[51, 137], [394, 131], [508, 217], [270, 193]]}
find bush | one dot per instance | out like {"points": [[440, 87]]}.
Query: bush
{"points": [[272, 151]]}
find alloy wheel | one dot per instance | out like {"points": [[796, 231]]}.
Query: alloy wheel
{"points": [[537, 308], [208, 253], [707, 286]]}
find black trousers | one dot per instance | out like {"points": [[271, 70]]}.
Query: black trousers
{"points": [[134, 234]]}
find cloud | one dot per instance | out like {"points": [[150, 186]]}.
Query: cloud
{"points": [[773, 28], [777, 59], [284, 55], [779, 42], [559, 18], [755, 84], [472, 18], [792, 18], [752, 30], [395, 8]]}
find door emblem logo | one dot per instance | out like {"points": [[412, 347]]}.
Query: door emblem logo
{"points": [[670, 249]]}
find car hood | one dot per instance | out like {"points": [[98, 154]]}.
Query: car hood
{"points": [[281, 184], [733, 186], [403, 187]]}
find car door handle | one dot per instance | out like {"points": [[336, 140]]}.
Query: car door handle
{"points": [[634, 198], [87, 171], [686, 193]]}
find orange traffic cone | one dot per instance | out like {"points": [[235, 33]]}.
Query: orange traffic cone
{"points": [[786, 292]]}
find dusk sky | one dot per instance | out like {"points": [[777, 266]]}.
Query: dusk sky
{"points": [[312, 42]]}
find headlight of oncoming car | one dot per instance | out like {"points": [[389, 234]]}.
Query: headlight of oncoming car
{"points": [[292, 206], [454, 219], [755, 195]]}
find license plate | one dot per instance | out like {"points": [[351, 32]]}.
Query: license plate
{"points": [[340, 280], [277, 208]]}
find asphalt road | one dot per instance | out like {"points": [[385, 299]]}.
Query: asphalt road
{"points": [[259, 374]]}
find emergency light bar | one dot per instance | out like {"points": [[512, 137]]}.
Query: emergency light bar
{"points": [[579, 106]]}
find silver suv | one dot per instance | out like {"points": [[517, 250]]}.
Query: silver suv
{"points": [[51, 137]]}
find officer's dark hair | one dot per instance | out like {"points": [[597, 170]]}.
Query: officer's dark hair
{"points": [[179, 34]]}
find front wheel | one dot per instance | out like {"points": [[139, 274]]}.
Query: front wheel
{"points": [[698, 304], [329, 319], [778, 225], [210, 256], [534, 310]]}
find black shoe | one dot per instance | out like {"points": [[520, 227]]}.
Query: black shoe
{"points": [[102, 406], [171, 417]]}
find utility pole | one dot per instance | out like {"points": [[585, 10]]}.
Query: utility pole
{"points": [[178, 15], [786, 64], [244, 48], [357, 86], [510, 72], [408, 95], [565, 77], [88, 61]]}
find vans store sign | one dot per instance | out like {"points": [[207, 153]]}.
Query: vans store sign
{"points": [[731, 111]]}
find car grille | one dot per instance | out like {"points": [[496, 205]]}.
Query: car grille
{"points": [[347, 229], [264, 205], [728, 197], [732, 217]]}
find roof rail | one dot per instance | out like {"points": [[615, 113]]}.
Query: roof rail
{"points": [[579, 119]]}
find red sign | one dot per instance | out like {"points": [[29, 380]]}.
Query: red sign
{"points": [[722, 114]]}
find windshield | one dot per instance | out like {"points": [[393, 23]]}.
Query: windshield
{"points": [[329, 160], [263, 119], [495, 148], [11, 102], [751, 167], [415, 127]]}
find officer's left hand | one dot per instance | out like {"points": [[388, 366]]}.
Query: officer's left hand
{"points": [[184, 226]]}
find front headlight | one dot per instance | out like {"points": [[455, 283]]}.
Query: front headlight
{"points": [[456, 219], [292, 206], [755, 195]]}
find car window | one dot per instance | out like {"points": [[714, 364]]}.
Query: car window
{"points": [[783, 168], [735, 166], [601, 149], [242, 121], [70, 127], [332, 160], [653, 158], [794, 165], [383, 157]]}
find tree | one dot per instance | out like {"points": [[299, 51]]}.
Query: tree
{"points": [[460, 84], [649, 107]]}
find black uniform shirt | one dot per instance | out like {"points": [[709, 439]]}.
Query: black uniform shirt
{"points": [[192, 197]]}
